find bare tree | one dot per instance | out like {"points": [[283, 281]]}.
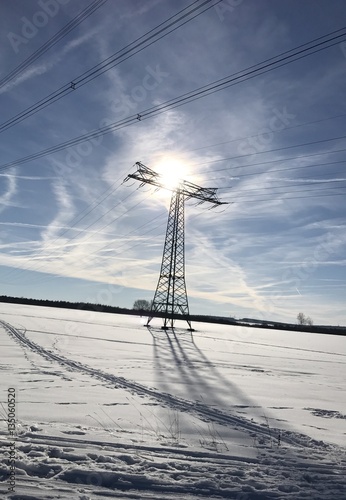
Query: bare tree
{"points": [[301, 318], [141, 305], [304, 320], [308, 321]]}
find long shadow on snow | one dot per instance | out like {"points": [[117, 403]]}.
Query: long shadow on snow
{"points": [[182, 368]]}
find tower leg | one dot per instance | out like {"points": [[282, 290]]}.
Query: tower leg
{"points": [[170, 296]]}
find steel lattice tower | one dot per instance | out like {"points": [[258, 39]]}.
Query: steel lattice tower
{"points": [[170, 299]]}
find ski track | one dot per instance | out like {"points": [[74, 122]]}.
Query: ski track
{"points": [[56, 467], [197, 408], [118, 470]]}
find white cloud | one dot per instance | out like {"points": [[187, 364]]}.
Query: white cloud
{"points": [[64, 214], [7, 197]]}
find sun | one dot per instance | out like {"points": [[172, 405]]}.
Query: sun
{"points": [[171, 172]]}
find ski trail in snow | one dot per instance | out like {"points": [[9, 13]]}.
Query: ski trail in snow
{"points": [[83, 469], [196, 408], [128, 470]]}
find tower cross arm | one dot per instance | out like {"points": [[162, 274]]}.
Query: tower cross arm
{"points": [[193, 191], [146, 175]]}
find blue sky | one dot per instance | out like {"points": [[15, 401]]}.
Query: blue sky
{"points": [[71, 230]]}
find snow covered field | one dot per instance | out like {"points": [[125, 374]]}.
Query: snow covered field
{"points": [[106, 408]]}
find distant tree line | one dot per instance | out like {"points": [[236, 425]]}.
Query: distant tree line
{"points": [[141, 306], [87, 306]]}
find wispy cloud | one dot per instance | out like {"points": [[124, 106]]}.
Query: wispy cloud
{"points": [[64, 214], [27, 177], [41, 68], [263, 255], [5, 199]]}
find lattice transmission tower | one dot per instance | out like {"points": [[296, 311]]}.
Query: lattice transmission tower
{"points": [[170, 299]]}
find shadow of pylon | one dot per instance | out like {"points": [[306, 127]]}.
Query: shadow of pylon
{"points": [[156, 330], [182, 362]]}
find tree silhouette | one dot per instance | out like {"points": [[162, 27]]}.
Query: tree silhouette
{"points": [[304, 320], [141, 305]]}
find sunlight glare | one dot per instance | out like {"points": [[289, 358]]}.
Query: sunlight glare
{"points": [[172, 172]]}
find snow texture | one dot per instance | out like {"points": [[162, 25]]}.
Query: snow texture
{"points": [[107, 408]]}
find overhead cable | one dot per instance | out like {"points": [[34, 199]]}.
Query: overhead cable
{"points": [[217, 86], [78, 19], [120, 56]]}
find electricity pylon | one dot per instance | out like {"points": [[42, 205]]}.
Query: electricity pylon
{"points": [[170, 299]]}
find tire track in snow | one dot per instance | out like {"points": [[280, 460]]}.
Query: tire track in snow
{"points": [[196, 408]]}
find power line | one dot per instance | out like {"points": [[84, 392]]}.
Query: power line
{"points": [[288, 185], [248, 192], [277, 161], [79, 217], [239, 77], [312, 143], [303, 124], [234, 200], [76, 235], [84, 14], [164, 107], [127, 249], [131, 233], [288, 198], [80, 139], [105, 195], [34, 268], [110, 191], [105, 246], [145, 233], [109, 63], [43, 251], [104, 65], [243, 195], [301, 167]]}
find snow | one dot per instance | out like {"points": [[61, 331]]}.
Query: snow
{"points": [[107, 408]]}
